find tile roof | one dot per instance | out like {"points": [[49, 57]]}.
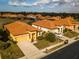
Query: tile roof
{"points": [[53, 24], [45, 23], [66, 22], [55, 18], [18, 27]]}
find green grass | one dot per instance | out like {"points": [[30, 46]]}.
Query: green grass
{"points": [[12, 52], [76, 20], [44, 43], [52, 49], [6, 20], [70, 34], [1, 43]]}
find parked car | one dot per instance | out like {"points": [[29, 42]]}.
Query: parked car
{"points": [[66, 42]]}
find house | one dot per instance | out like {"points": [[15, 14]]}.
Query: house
{"points": [[31, 16], [55, 18], [20, 31], [56, 26]]}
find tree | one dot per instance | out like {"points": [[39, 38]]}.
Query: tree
{"points": [[50, 37], [47, 36]]}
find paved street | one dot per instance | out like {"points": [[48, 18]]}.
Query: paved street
{"points": [[69, 52]]}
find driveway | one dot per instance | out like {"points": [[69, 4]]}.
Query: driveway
{"points": [[0, 56], [29, 50]]}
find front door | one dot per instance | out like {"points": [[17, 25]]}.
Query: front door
{"points": [[33, 37]]}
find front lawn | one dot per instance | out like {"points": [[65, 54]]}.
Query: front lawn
{"points": [[11, 52], [45, 43], [70, 34], [46, 39]]}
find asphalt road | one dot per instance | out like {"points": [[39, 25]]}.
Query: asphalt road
{"points": [[69, 52]]}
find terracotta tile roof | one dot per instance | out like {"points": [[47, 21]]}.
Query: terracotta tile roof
{"points": [[55, 18], [9, 15], [18, 27], [53, 24], [66, 22], [45, 23]]}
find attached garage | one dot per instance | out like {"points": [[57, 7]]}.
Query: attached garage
{"points": [[22, 37]]}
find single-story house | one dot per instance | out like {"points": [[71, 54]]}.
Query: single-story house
{"points": [[20, 31], [56, 26]]}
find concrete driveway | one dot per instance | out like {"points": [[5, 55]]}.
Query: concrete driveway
{"points": [[29, 50]]}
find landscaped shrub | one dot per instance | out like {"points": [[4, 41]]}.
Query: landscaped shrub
{"points": [[1, 31], [1, 44], [65, 30], [47, 36], [40, 37], [43, 33], [50, 37], [6, 45]]}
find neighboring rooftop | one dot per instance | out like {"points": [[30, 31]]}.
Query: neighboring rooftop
{"points": [[18, 27], [52, 24], [45, 23]]}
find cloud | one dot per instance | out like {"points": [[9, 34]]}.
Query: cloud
{"points": [[56, 4], [41, 3], [37, 3], [55, 0], [68, 0], [23, 3], [18, 3]]}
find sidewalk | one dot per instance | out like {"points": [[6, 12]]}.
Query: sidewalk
{"points": [[71, 41], [53, 46]]}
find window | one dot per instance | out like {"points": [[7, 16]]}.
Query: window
{"points": [[58, 29], [61, 29]]}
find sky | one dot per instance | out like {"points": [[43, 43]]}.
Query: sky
{"points": [[69, 6]]}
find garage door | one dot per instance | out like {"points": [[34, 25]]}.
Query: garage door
{"points": [[23, 37]]}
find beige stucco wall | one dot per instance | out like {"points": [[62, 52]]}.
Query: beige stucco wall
{"points": [[27, 37], [41, 28], [56, 31]]}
